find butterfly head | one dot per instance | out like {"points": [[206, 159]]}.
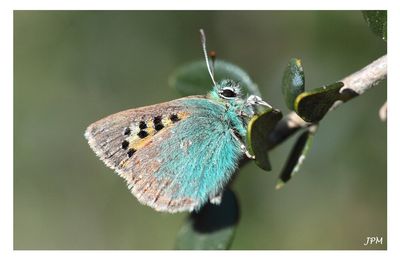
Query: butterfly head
{"points": [[230, 92], [227, 90]]}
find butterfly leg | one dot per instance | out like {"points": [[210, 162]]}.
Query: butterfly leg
{"points": [[256, 100], [252, 101], [242, 145], [216, 199]]}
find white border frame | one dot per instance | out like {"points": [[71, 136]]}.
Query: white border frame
{"points": [[6, 128]]}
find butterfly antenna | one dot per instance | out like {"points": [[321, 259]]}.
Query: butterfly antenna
{"points": [[203, 44], [213, 56]]}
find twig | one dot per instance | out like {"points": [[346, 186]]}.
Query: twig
{"points": [[358, 83]]}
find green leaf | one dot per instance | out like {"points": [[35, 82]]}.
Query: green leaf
{"points": [[297, 156], [258, 130], [193, 78], [293, 82], [213, 227], [312, 105], [377, 22]]}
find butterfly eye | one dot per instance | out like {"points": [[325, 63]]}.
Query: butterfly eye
{"points": [[228, 93]]}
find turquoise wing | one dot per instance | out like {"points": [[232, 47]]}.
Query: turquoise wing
{"points": [[178, 165]]}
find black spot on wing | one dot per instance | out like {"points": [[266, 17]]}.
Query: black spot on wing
{"points": [[125, 144], [142, 125], [174, 118], [131, 152], [142, 134], [127, 131], [157, 120], [159, 126]]}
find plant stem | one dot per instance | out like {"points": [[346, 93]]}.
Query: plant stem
{"points": [[358, 83]]}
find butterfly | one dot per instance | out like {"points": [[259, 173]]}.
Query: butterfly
{"points": [[178, 155]]}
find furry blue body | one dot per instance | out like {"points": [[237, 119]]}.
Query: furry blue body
{"points": [[202, 152]]}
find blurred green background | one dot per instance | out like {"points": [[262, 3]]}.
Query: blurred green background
{"points": [[72, 68]]}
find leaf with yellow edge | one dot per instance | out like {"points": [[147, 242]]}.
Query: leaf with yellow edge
{"points": [[258, 130]]}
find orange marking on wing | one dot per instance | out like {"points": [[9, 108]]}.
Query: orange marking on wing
{"points": [[137, 143]]}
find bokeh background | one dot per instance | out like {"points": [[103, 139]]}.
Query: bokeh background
{"points": [[72, 68]]}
